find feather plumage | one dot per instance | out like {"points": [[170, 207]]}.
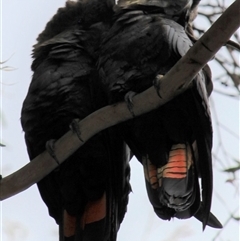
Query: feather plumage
{"points": [[87, 195], [143, 42]]}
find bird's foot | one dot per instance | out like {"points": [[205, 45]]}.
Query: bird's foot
{"points": [[50, 147], [75, 128], [157, 84], [129, 100]]}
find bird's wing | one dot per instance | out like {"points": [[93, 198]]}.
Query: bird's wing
{"points": [[139, 46], [82, 195]]}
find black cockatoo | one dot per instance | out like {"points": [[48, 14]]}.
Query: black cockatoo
{"points": [[87, 195], [174, 142]]}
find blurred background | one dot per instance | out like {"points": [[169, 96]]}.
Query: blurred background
{"points": [[25, 217]]}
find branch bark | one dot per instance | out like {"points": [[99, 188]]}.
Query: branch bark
{"points": [[176, 81]]}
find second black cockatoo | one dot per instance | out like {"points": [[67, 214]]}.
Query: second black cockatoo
{"points": [[86, 195], [173, 142]]}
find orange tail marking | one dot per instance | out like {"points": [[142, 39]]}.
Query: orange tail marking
{"points": [[177, 163], [69, 224], [150, 172], [94, 211]]}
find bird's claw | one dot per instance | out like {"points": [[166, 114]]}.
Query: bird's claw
{"points": [[129, 100], [50, 147], [157, 84], [75, 128]]}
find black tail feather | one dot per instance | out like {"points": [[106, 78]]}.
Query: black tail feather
{"points": [[212, 220], [94, 231], [203, 134]]}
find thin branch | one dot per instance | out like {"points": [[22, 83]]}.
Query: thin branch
{"points": [[235, 96], [233, 45], [176, 81]]}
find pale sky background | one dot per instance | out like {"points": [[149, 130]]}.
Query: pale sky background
{"points": [[24, 217]]}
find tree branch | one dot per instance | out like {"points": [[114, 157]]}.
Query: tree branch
{"points": [[173, 83]]}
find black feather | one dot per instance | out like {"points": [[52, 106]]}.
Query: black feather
{"points": [[65, 86], [140, 45]]}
